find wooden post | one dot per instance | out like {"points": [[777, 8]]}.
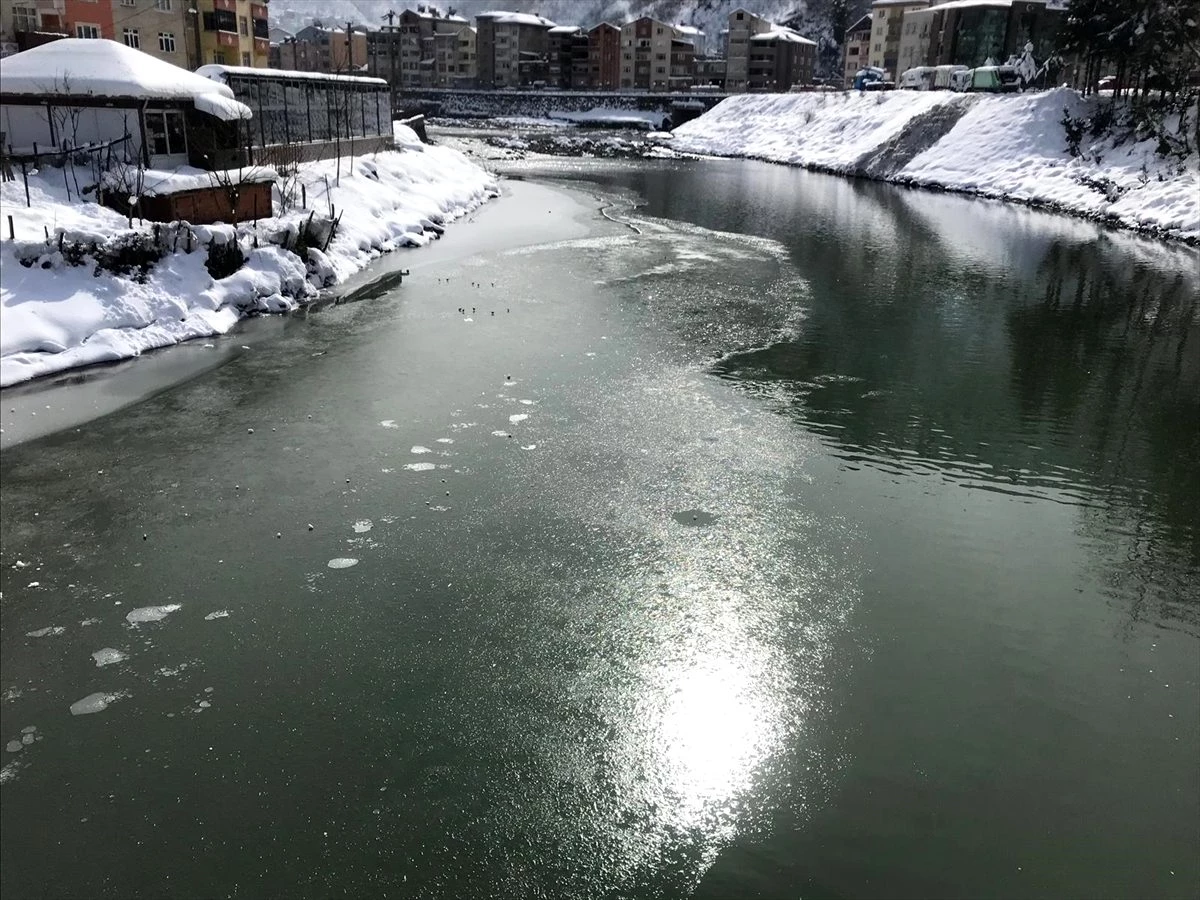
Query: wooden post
{"points": [[25, 178], [303, 196], [12, 235]]}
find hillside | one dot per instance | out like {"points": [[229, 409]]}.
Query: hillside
{"points": [[816, 18]]}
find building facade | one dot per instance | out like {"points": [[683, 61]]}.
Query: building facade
{"points": [[232, 32], [604, 57], [512, 49], [568, 62], [646, 54], [858, 46], [887, 18], [743, 25], [780, 60], [318, 48]]}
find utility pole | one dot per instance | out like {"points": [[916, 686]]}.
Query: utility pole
{"points": [[197, 20], [349, 47]]}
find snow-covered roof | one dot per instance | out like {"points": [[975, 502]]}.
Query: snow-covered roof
{"points": [[217, 74], [565, 29], [688, 29], [967, 4], [863, 24], [503, 17], [779, 33], [102, 68]]}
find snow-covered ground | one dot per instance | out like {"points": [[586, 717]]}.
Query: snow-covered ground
{"points": [[1011, 147], [56, 316]]}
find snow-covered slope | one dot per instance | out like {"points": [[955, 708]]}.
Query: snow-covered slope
{"points": [[56, 316], [1006, 146]]}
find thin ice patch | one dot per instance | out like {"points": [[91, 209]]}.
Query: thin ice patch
{"points": [[420, 449], [420, 467], [501, 434], [342, 562], [362, 525], [389, 423], [445, 440], [44, 632], [151, 613], [94, 703], [519, 417], [219, 614], [107, 656]]}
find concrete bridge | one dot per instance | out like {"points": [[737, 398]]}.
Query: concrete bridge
{"points": [[678, 107]]}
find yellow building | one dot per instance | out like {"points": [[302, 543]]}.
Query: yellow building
{"points": [[232, 32]]}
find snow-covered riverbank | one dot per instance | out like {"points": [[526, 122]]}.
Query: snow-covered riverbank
{"points": [[56, 316], [1010, 147]]}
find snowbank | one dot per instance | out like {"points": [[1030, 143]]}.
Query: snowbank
{"points": [[613, 118], [56, 316], [1010, 147]]}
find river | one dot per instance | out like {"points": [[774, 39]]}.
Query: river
{"points": [[676, 528]]}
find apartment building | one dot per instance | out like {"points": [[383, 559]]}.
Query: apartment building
{"points": [[743, 25], [858, 46], [162, 28], [604, 57], [780, 59], [646, 54], [511, 48], [887, 17], [568, 57], [318, 48]]}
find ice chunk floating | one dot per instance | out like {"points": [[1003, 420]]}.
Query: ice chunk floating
{"points": [[150, 613], [107, 656], [342, 562], [94, 703]]}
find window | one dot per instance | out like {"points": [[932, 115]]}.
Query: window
{"points": [[132, 38], [246, 59], [129, 2], [243, 25], [162, 5], [166, 42], [87, 31], [25, 18], [218, 57], [164, 132]]}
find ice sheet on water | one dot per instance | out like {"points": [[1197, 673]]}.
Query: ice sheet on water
{"points": [[389, 423], [94, 703], [519, 417], [43, 632], [150, 613], [219, 614], [362, 525], [420, 449], [14, 747], [107, 656], [445, 440], [421, 467], [342, 562]]}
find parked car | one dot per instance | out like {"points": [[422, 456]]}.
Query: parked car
{"points": [[995, 79], [943, 75], [918, 78]]}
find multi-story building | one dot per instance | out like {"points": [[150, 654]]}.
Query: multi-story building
{"points": [[319, 48], [646, 54], [781, 59], [454, 57], [568, 57], [511, 48], [915, 38], [743, 25], [232, 32], [710, 72], [858, 46], [887, 18], [683, 65], [162, 28], [694, 36], [604, 57]]}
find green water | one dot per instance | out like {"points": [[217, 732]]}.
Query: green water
{"points": [[850, 548]]}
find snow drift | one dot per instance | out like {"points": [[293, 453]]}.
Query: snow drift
{"points": [[56, 316], [1010, 147]]}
